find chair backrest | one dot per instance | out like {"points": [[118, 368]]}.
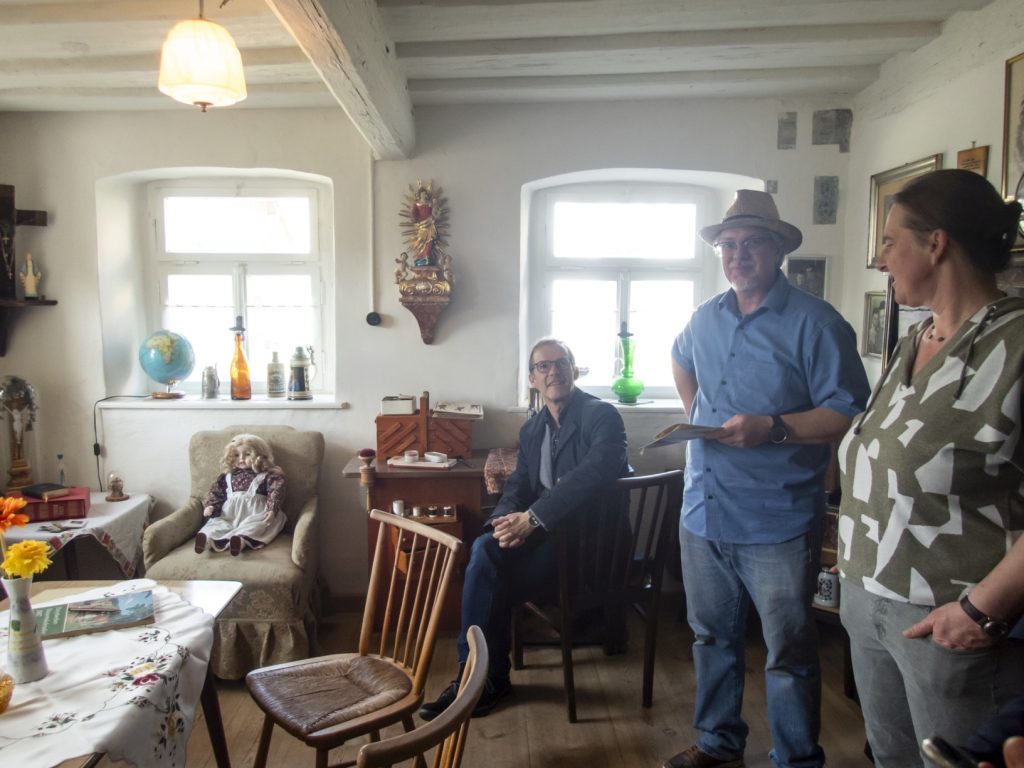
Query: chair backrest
{"points": [[622, 544], [447, 731], [412, 567], [298, 453]]}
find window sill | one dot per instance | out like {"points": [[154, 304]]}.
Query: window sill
{"points": [[224, 403], [652, 405]]}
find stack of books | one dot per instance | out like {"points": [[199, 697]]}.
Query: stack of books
{"points": [[48, 501]]}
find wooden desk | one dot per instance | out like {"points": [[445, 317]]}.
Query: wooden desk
{"points": [[461, 486], [212, 597]]}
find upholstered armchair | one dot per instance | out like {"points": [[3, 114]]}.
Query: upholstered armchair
{"points": [[273, 618]]}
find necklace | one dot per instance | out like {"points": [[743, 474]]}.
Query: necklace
{"points": [[932, 337]]}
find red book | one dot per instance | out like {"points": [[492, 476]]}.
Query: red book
{"points": [[75, 504]]}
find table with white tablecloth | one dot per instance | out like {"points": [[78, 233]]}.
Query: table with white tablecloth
{"points": [[117, 526], [130, 694]]}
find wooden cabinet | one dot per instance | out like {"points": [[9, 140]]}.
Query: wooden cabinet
{"points": [[462, 487]]}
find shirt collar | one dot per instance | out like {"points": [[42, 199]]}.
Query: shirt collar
{"points": [[776, 299]]}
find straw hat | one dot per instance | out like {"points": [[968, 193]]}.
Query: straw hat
{"points": [[755, 209]]}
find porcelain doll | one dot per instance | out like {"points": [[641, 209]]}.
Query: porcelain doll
{"points": [[245, 504]]}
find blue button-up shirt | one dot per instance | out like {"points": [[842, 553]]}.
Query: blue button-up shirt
{"points": [[793, 353]]}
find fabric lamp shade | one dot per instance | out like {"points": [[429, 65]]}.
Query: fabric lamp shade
{"points": [[201, 65]]}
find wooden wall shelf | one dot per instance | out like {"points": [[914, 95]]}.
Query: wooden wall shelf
{"points": [[8, 311]]}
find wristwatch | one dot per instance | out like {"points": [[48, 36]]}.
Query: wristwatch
{"points": [[995, 628], [534, 520], [778, 434]]}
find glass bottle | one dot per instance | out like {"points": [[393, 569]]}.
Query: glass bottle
{"points": [[627, 386], [62, 475], [241, 384], [276, 384]]}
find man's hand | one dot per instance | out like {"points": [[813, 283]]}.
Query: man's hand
{"points": [[951, 628], [512, 529], [744, 431]]}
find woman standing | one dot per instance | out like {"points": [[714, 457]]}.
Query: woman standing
{"points": [[930, 549]]}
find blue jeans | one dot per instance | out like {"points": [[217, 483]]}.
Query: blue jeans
{"points": [[498, 579], [911, 689], [721, 581]]}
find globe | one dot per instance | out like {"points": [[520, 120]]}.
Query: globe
{"points": [[168, 358]]}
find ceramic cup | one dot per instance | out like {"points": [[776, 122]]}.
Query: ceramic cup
{"points": [[827, 594], [411, 457], [398, 507]]}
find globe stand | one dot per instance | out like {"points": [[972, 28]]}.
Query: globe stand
{"points": [[168, 394]]}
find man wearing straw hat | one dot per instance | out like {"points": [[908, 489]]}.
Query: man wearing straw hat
{"points": [[777, 371]]}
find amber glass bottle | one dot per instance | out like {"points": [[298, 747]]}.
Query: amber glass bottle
{"points": [[241, 385]]}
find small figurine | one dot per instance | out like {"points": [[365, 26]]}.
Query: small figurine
{"points": [[30, 278], [245, 504], [115, 483]]}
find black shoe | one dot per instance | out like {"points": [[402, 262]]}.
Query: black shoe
{"points": [[494, 691], [432, 709]]}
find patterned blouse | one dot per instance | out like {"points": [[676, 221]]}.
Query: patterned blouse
{"points": [[272, 487], [932, 471]]}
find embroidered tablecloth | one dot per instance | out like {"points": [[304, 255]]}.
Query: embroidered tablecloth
{"points": [[129, 693], [117, 525], [500, 464]]}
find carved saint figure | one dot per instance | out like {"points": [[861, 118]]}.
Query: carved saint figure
{"points": [[30, 278], [425, 217]]}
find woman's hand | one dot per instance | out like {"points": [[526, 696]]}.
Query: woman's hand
{"points": [[1013, 753], [951, 628]]}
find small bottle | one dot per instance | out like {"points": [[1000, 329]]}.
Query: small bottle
{"points": [[241, 385], [62, 475], [276, 384]]}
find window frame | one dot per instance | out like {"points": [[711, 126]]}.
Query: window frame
{"points": [[544, 267], [315, 262]]}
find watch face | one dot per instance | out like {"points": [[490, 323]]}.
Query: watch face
{"points": [[994, 628]]}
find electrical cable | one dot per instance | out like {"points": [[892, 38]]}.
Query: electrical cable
{"points": [[96, 448]]}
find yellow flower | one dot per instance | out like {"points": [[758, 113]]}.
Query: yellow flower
{"points": [[9, 516], [26, 558]]}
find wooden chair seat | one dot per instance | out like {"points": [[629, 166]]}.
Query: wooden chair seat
{"points": [[310, 696]]}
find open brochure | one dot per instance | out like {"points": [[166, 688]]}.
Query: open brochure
{"points": [[458, 410], [678, 433], [129, 610]]}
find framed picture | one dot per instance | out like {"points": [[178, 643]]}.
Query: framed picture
{"points": [[898, 319], [872, 339], [808, 273], [883, 186], [1013, 139], [973, 159]]}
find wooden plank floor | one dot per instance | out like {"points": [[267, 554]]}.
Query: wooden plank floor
{"points": [[531, 731]]}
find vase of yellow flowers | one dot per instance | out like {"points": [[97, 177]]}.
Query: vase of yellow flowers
{"points": [[26, 660]]}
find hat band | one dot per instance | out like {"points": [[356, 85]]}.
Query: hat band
{"points": [[747, 216]]}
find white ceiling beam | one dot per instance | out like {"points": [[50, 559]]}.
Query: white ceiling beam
{"points": [[345, 41]]}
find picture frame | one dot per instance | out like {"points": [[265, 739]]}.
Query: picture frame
{"points": [[1013, 141], [898, 319], [808, 273], [872, 340], [883, 186]]}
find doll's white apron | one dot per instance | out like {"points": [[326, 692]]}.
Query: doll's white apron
{"points": [[242, 515]]}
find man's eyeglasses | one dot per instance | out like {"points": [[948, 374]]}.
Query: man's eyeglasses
{"points": [[755, 244], [544, 366]]}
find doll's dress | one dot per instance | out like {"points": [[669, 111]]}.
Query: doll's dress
{"points": [[242, 515]]}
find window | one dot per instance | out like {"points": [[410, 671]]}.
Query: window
{"points": [[226, 248], [603, 254]]}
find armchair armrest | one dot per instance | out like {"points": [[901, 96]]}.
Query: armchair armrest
{"points": [[172, 531], [304, 544]]}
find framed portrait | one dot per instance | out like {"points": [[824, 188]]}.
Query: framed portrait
{"points": [[872, 339], [808, 273], [883, 186], [1013, 140]]}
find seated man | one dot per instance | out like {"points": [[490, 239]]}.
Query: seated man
{"points": [[570, 452]]}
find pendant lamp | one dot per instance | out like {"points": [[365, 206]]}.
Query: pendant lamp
{"points": [[201, 65]]}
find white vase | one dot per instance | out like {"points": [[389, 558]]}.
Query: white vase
{"points": [[25, 658]]}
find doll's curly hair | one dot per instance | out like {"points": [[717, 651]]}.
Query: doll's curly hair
{"points": [[264, 460]]}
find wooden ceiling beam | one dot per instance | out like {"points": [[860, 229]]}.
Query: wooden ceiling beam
{"points": [[345, 41]]}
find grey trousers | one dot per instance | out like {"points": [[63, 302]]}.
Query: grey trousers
{"points": [[912, 689]]}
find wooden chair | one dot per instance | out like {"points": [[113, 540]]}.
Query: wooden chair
{"points": [[611, 558], [448, 730], [327, 700]]}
